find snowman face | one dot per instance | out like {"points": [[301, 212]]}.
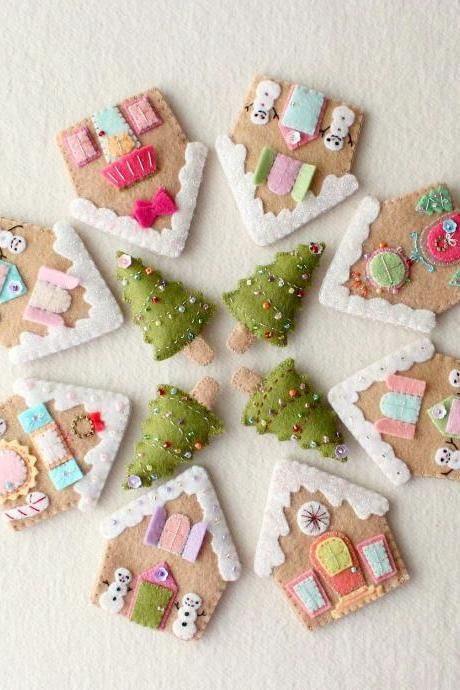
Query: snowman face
{"points": [[17, 244], [123, 576], [192, 601], [260, 116], [446, 457], [454, 378], [332, 142]]}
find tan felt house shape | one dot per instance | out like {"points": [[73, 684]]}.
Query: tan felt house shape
{"points": [[57, 445], [405, 412], [136, 175], [168, 558], [327, 544], [288, 157], [52, 296], [398, 261]]}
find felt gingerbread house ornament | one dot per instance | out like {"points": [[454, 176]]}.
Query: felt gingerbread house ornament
{"points": [[57, 445], [169, 557], [399, 260], [136, 174], [404, 410], [171, 315], [178, 425], [265, 304], [327, 544], [286, 404], [289, 156], [52, 296]]}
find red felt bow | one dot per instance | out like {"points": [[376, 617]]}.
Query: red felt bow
{"points": [[99, 424], [146, 212]]}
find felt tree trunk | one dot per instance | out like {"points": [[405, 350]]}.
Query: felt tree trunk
{"points": [[265, 304], [285, 404], [178, 425], [170, 315]]}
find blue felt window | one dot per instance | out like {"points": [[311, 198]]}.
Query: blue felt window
{"points": [[34, 418], [309, 593], [66, 474]]}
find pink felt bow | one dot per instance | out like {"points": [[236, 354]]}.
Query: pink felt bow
{"points": [[146, 212]]}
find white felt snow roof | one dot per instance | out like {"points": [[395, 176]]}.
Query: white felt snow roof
{"points": [[288, 478], [194, 481]]}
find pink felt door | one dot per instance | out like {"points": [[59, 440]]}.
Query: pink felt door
{"points": [[175, 533]]}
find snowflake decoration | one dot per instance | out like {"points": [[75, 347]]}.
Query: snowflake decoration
{"points": [[313, 518]]}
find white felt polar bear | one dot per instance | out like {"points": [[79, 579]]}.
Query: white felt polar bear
{"points": [[113, 599], [184, 626]]}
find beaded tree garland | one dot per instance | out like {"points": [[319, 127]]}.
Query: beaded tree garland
{"points": [[178, 425], [170, 315], [284, 403], [265, 303]]}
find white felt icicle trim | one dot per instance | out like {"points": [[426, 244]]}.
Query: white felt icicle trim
{"points": [[114, 409], [345, 395], [104, 313], [265, 228], [168, 242], [193, 482], [334, 293], [287, 479]]}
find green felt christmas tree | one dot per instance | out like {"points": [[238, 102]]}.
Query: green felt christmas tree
{"points": [[170, 315], [437, 200], [178, 425], [285, 404], [265, 304]]}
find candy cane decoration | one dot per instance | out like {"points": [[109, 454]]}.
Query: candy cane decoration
{"points": [[36, 502]]}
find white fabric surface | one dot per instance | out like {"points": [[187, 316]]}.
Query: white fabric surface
{"points": [[60, 60]]}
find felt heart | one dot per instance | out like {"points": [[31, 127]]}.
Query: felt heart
{"points": [[441, 240]]}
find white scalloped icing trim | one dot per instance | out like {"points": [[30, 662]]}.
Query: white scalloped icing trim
{"points": [[344, 396], [168, 242], [334, 293], [114, 409], [265, 228], [288, 478], [194, 481], [104, 314]]}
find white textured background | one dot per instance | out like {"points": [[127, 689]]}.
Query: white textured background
{"points": [[59, 61]]}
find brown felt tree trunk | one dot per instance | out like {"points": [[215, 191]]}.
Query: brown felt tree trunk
{"points": [[199, 351], [245, 380], [240, 339], [205, 392]]}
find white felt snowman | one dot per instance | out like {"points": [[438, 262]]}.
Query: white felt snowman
{"points": [[342, 119], [264, 103], [184, 626], [113, 599]]}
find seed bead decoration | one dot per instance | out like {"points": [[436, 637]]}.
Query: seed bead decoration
{"points": [[83, 426]]}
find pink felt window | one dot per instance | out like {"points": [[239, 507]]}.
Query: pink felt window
{"points": [[81, 147], [308, 592], [283, 174], [141, 115], [175, 533], [377, 557]]}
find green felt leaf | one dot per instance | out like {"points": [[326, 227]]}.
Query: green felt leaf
{"points": [[266, 302], [437, 200], [170, 314], [288, 406], [175, 424]]}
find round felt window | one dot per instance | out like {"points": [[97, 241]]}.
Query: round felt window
{"points": [[387, 269]]}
